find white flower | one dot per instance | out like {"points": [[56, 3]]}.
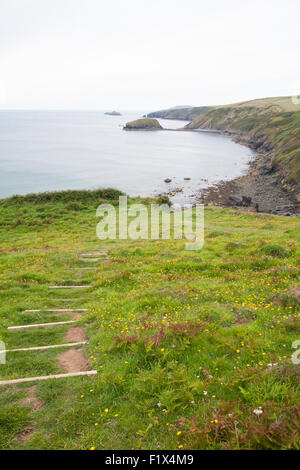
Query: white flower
{"points": [[258, 411], [159, 405], [204, 392]]}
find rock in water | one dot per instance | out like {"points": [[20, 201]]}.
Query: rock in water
{"points": [[140, 124]]}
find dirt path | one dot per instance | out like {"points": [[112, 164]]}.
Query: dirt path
{"points": [[32, 400], [36, 404], [76, 334], [74, 360]]}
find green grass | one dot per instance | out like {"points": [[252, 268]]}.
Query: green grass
{"points": [[181, 340]]}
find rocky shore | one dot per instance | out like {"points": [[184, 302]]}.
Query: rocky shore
{"points": [[259, 190]]}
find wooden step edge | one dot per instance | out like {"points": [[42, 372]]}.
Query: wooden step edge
{"points": [[48, 377], [42, 348], [59, 310], [37, 325], [69, 287]]}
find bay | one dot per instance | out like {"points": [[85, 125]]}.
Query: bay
{"points": [[56, 150]]}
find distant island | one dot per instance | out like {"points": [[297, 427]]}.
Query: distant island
{"points": [[143, 124], [113, 113]]}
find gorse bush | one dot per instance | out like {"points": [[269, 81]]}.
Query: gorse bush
{"points": [[164, 199], [65, 196], [232, 427], [277, 251], [74, 206], [216, 234]]}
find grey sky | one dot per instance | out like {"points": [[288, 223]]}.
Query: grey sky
{"points": [[141, 54]]}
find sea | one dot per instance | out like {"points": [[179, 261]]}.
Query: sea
{"points": [[58, 150]]}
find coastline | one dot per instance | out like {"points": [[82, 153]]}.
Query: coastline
{"points": [[259, 182], [258, 190], [270, 128]]}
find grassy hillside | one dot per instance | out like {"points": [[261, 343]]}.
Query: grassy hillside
{"points": [[193, 349], [271, 124], [185, 114]]}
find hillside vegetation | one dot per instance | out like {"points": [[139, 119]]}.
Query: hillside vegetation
{"points": [[192, 348], [269, 125], [185, 114]]}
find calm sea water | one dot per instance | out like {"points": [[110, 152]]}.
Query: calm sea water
{"points": [[54, 150]]}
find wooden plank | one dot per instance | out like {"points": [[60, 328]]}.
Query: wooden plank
{"points": [[90, 260], [68, 287], [63, 310], [42, 348], [94, 253], [22, 327], [48, 377], [89, 267]]}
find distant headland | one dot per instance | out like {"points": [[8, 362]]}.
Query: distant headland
{"points": [[270, 126]]}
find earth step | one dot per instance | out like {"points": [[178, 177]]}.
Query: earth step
{"points": [[68, 287], [48, 377], [64, 310], [22, 327], [42, 348]]}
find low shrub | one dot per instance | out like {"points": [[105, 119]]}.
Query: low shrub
{"points": [[274, 250]]}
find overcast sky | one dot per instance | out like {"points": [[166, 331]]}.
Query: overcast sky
{"points": [[146, 54]]}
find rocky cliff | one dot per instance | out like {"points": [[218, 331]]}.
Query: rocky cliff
{"points": [[271, 126]]}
